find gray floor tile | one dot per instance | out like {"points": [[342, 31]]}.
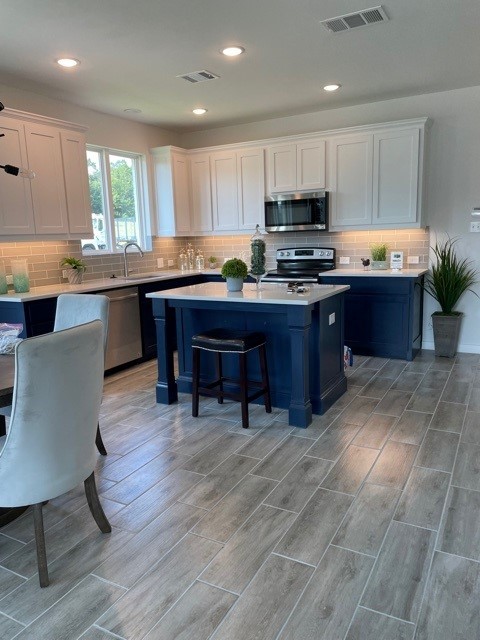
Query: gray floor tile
{"points": [[466, 472], [267, 602], [195, 616], [94, 633], [359, 410], [299, 485], [243, 555], [393, 465], [423, 498], [159, 588], [329, 601], [124, 466], [202, 437], [456, 391], [425, 400], [399, 577], [460, 532], [278, 463], [375, 431], [361, 377], [233, 510], [367, 520], [393, 368], [370, 625], [471, 430], [407, 381], [335, 440], [393, 403], [450, 610], [438, 450], [348, 474], [215, 453], [449, 416], [474, 401], [373, 362], [265, 441], [9, 581], [75, 613], [417, 366], [9, 545], [434, 379], [127, 565], [9, 628], [411, 427], [314, 528], [377, 387], [319, 424]]}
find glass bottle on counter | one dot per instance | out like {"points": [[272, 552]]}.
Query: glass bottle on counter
{"points": [[199, 261], [190, 256], [182, 260], [257, 246], [21, 281]]}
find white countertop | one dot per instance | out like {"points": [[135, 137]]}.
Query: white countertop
{"points": [[268, 293], [374, 273]]}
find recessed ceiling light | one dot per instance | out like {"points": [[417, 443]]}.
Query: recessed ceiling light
{"points": [[68, 62], [132, 111], [200, 111], [332, 87], [231, 52]]}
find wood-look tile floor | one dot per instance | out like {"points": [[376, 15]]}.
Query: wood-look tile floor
{"points": [[365, 526]]}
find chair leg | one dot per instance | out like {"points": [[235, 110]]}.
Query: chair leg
{"points": [[99, 442], [94, 504], [40, 543], [195, 380], [266, 383], [244, 389], [218, 360]]}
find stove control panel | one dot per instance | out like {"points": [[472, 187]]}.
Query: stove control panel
{"points": [[307, 253]]}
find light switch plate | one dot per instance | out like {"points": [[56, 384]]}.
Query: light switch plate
{"points": [[475, 227], [9, 279], [413, 259], [64, 273], [344, 260], [331, 318], [170, 263], [160, 262]]}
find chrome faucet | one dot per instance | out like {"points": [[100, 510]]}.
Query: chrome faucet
{"points": [[125, 263]]}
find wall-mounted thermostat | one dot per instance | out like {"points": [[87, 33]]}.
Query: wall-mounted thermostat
{"points": [[396, 260]]}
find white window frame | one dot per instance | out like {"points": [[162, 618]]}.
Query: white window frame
{"points": [[139, 170]]}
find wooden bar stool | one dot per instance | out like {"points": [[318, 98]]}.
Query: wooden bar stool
{"points": [[230, 341]]}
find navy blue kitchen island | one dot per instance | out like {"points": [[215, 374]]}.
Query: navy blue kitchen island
{"points": [[305, 336]]}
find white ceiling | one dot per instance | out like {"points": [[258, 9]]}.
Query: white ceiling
{"points": [[131, 51]]}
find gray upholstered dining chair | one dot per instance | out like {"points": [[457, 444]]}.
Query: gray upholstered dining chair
{"points": [[50, 445], [74, 309]]}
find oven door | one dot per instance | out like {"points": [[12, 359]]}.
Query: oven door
{"points": [[297, 212]]}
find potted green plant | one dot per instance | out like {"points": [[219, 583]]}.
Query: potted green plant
{"points": [[75, 269], [234, 271], [379, 256], [449, 278], [212, 262]]}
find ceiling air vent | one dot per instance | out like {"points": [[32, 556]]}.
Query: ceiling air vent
{"points": [[353, 20], [198, 76]]}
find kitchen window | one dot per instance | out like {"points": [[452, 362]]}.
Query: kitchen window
{"points": [[116, 196]]}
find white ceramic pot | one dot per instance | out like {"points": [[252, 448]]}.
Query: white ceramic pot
{"points": [[234, 284], [75, 276]]}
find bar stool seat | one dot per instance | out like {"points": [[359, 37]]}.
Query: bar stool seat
{"points": [[220, 341]]}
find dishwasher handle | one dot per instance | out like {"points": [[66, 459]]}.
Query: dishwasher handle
{"points": [[131, 295]]}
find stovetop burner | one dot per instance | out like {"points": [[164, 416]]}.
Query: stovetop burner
{"points": [[301, 264]]}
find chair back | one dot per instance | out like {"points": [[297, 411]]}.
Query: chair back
{"points": [[74, 309], [50, 445]]}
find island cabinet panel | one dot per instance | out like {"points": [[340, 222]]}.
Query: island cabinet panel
{"points": [[383, 316]]}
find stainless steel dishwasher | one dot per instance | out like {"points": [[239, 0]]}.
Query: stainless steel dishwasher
{"points": [[124, 333]]}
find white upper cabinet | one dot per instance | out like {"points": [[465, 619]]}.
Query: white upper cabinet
{"points": [[172, 182], [16, 207], [251, 187], [223, 167], [351, 169], [57, 201], [296, 167], [201, 192]]}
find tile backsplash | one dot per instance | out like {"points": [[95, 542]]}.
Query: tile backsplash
{"points": [[44, 257]]}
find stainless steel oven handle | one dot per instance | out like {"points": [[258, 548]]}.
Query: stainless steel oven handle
{"points": [[132, 295]]}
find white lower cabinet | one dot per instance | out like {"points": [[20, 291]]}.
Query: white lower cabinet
{"points": [[57, 201]]}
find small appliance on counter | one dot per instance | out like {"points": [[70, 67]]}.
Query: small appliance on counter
{"points": [[297, 212], [301, 264]]}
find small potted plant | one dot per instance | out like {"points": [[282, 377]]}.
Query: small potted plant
{"points": [[212, 262], [379, 256], [447, 281], [234, 271], [75, 269]]}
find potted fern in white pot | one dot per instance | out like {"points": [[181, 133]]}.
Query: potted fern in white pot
{"points": [[450, 277]]}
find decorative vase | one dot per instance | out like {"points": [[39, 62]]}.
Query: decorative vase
{"points": [[258, 247], [3, 278], [379, 264], [446, 332], [234, 284], [75, 276], [212, 265]]}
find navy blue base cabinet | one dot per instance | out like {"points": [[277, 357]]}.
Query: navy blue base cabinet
{"points": [[383, 315]]}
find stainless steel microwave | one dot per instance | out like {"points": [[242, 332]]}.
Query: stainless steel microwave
{"points": [[297, 212]]}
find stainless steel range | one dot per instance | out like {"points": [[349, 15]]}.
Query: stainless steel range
{"points": [[299, 265]]}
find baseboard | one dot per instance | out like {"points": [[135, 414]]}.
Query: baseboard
{"points": [[462, 348]]}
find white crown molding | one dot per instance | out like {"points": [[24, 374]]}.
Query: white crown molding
{"points": [[33, 117]]}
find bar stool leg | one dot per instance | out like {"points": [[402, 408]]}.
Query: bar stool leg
{"points": [[218, 358], [266, 383], [195, 380], [244, 389]]}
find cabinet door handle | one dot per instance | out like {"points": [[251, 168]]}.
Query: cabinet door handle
{"points": [[132, 295]]}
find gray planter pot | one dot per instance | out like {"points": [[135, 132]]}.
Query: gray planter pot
{"points": [[379, 264], [75, 276], [446, 332], [234, 284]]}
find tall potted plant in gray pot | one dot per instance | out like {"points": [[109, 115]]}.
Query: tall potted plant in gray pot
{"points": [[450, 277]]}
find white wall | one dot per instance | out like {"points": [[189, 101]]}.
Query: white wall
{"points": [[452, 169]]}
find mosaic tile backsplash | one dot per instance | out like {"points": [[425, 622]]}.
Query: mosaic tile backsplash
{"points": [[44, 257]]}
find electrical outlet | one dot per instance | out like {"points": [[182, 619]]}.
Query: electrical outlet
{"points": [[413, 260], [344, 260], [9, 279], [475, 227], [331, 318], [160, 263], [171, 263], [64, 273]]}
